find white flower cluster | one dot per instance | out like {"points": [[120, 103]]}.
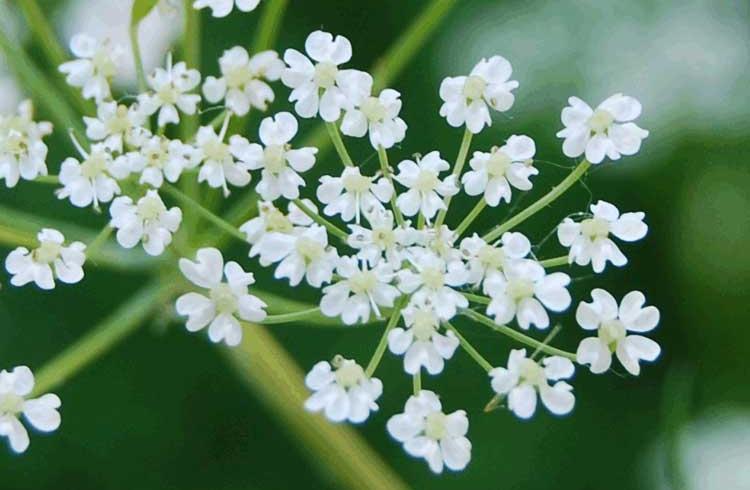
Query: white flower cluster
{"points": [[376, 244]]}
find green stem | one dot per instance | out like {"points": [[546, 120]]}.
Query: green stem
{"points": [[386, 169], [47, 179], [554, 262], [100, 239], [475, 298], [380, 349], [333, 132], [417, 382], [473, 353], [547, 340], [545, 200], [193, 205], [518, 336], [191, 52], [268, 25], [332, 229], [469, 219], [297, 316], [463, 151], [136, 48]]}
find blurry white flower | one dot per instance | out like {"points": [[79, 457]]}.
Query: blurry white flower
{"points": [[381, 240], [426, 432], [222, 8], [115, 124], [432, 281], [607, 131], [243, 80], [170, 88], [41, 413], [523, 290], [159, 158], [342, 392], [612, 325], [378, 116], [22, 151], [51, 259], [227, 301], [426, 190], [147, 221], [93, 179], [524, 377], [96, 64], [219, 160], [494, 173], [465, 99], [421, 343], [589, 240], [485, 260], [353, 194]]}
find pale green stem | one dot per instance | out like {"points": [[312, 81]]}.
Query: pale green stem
{"points": [[417, 382], [518, 336], [268, 25], [333, 132], [547, 340], [218, 121], [380, 349], [297, 316], [100, 239], [463, 151], [544, 201], [47, 179], [332, 229], [136, 48], [191, 52], [193, 205], [475, 298], [386, 169], [554, 262], [470, 349], [420, 221], [469, 219]]}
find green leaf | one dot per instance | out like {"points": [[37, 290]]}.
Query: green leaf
{"points": [[141, 9]]}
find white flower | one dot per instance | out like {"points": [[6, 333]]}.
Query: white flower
{"points": [[343, 392], [115, 124], [524, 377], [421, 342], [353, 194], [219, 159], [158, 158], [379, 117], [426, 432], [243, 80], [222, 8], [439, 241], [52, 259], [22, 151], [170, 88], [432, 281], [382, 240], [523, 290], [93, 179], [466, 98], [227, 301], [485, 260], [359, 290], [494, 173], [279, 163], [147, 221], [97, 63], [612, 325], [322, 87], [425, 187], [41, 413], [272, 220], [589, 240], [607, 131]]}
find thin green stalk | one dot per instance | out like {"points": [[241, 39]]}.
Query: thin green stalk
{"points": [[191, 53], [470, 349], [93, 247], [124, 321], [380, 349], [136, 48], [333, 132], [544, 201], [269, 25], [475, 298], [420, 221], [332, 229], [386, 169], [469, 219], [554, 262], [463, 151], [193, 205], [518, 336], [417, 382], [47, 179], [297, 316]]}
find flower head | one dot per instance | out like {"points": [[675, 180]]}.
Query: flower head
{"points": [[94, 67], [377, 116], [222, 8], [381, 239], [158, 158], [22, 151], [421, 343], [170, 86], [93, 180], [51, 259], [221, 162], [426, 190], [353, 194], [115, 124], [147, 221], [431, 282], [485, 260]]}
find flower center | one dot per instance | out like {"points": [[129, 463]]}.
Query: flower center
{"points": [[277, 221], [432, 277], [274, 158], [168, 94], [363, 282], [498, 164], [120, 122], [426, 181], [325, 74], [355, 183], [150, 208], [474, 87], [224, 299], [383, 237], [94, 165], [309, 249], [519, 289], [14, 142], [349, 375], [103, 63], [47, 252], [216, 149], [611, 333], [595, 228], [11, 404], [532, 373], [434, 426], [600, 121], [491, 257], [424, 325], [237, 76], [373, 110]]}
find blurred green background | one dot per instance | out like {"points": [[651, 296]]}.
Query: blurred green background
{"points": [[164, 410]]}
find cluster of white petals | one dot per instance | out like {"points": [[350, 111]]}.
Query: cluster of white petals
{"points": [[95, 65], [170, 87], [23, 154], [147, 221], [222, 8], [51, 260]]}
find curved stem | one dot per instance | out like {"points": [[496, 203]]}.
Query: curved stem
{"points": [[473, 353], [386, 169], [554, 262], [332, 229], [333, 132], [469, 219], [194, 205], [463, 151], [548, 198], [380, 349]]}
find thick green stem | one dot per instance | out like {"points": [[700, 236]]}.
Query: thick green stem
{"points": [[333, 132], [463, 151], [47, 179], [470, 349], [544, 201], [386, 169], [93, 247], [191, 53], [469, 219], [554, 262], [268, 25], [136, 48], [193, 205], [417, 382], [332, 229], [380, 349], [476, 298]]}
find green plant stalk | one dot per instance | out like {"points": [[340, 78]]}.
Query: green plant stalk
{"points": [[335, 449], [297, 316], [476, 298], [194, 205], [470, 349], [191, 53], [554, 262], [518, 336], [338, 143], [416, 380], [377, 356], [386, 169], [332, 229], [463, 151], [268, 25], [469, 219], [99, 240], [137, 59], [544, 201]]}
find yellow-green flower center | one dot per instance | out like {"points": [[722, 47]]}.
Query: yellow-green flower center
{"points": [[435, 426], [595, 228], [600, 121], [325, 74], [474, 87], [224, 299]]}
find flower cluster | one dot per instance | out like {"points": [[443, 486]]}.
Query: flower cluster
{"points": [[377, 244]]}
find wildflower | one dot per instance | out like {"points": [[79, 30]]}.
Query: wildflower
{"points": [[51, 259], [97, 63], [427, 432], [382, 239], [115, 124], [421, 343], [465, 99], [377, 116], [485, 260], [524, 377], [220, 163], [426, 190], [93, 179], [41, 413], [612, 325], [147, 221], [222, 8], [353, 193], [342, 391], [22, 151], [159, 158], [170, 88], [607, 131], [228, 300], [589, 240]]}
